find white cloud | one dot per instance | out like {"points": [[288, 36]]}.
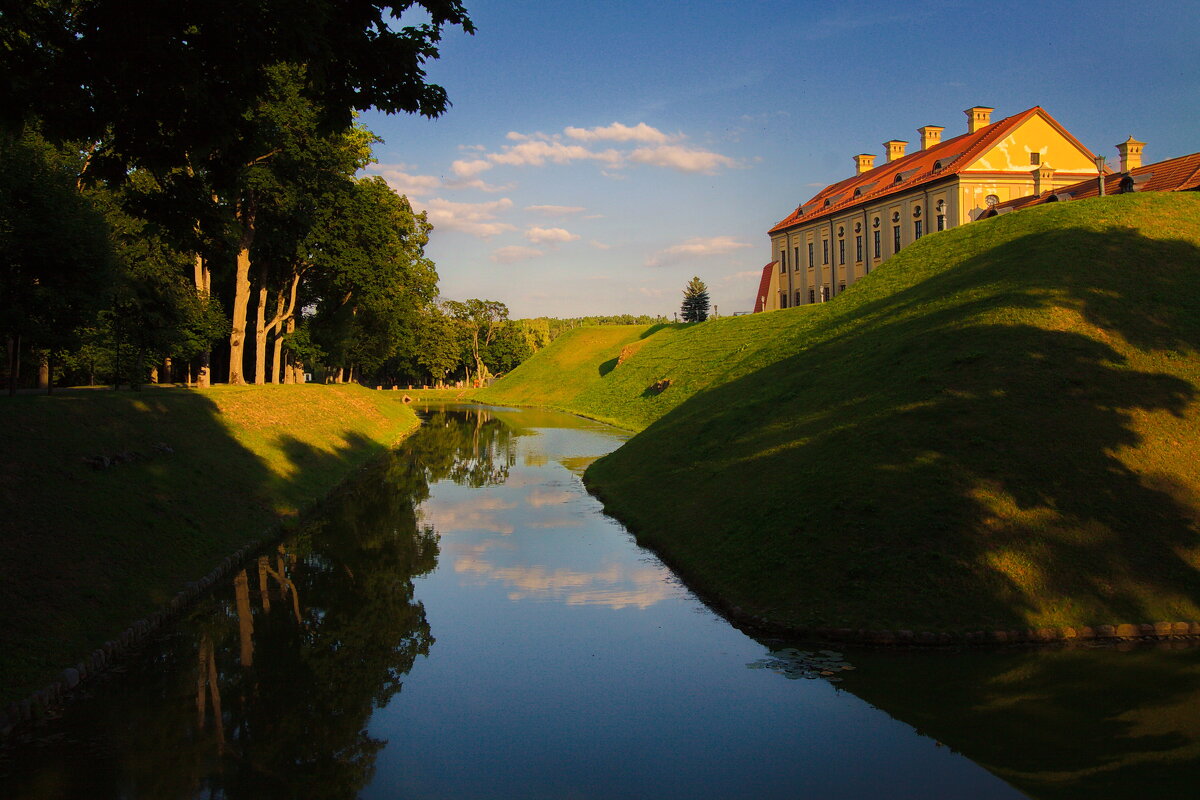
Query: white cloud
{"points": [[537, 153], [555, 211], [478, 148], [481, 185], [406, 183], [469, 169], [742, 276], [541, 235], [599, 245], [696, 248], [514, 253], [621, 133], [477, 219], [684, 159]]}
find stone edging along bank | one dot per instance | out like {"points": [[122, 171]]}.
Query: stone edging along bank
{"points": [[40, 704]]}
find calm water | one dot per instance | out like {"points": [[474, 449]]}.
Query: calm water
{"points": [[463, 622]]}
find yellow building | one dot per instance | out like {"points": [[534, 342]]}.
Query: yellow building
{"points": [[851, 227]]}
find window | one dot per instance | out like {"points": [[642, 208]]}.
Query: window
{"points": [[796, 257], [841, 251], [941, 222], [783, 299], [824, 293], [917, 230], [812, 295], [858, 248], [810, 255], [991, 200], [1035, 159], [798, 300], [824, 251], [783, 260], [878, 246], [841, 288], [895, 239], [937, 165]]}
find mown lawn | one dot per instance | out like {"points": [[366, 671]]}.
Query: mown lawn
{"points": [[192, 475], [999, 427]]}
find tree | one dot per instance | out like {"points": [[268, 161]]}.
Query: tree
{"points": [[695, 301], [55, 256], [480, 319]]}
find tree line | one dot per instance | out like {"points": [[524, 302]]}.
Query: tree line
{"points": [[179, 188]]}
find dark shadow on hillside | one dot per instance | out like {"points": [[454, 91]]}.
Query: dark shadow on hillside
{"points": [[608, 366], [1071, 724], [653, 329], [948, 465], [268, 686]]}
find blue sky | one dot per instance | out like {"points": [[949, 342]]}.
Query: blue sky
{"points": [[599, 154]]}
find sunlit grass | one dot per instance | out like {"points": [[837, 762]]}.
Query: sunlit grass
{"points": [[999, 427], [194, 475]]}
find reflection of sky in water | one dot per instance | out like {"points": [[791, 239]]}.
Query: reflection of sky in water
{"points": [[571, 663]]}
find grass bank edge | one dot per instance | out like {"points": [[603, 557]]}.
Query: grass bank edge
{"points": [[1079, 321], [191, 476]]}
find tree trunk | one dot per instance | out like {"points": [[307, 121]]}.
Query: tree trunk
{"points": [[44, 371], [241, 296], [203, 279], [241, 592], [50, 373], [260, 329]]}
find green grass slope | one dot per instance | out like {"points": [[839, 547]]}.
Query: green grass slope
{"points": [[562, 374], [999, 427], [86, 551]]}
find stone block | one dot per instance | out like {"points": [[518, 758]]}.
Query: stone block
{"points": [[1179, 628], [1161, 628], [1106, 631], [1127, 631]]}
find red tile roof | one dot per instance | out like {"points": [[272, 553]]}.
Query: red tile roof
{"points": [[1173, 175], [916, 169], [764, 286]]}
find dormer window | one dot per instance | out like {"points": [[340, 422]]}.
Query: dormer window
{"points": [[1035, 159], [827, 203], [858, 192], [937, 165], [899, 177]]}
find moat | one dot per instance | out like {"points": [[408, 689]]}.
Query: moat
{"points": [[462, 620]]}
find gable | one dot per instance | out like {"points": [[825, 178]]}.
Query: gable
{"points": [[1037, 134]]}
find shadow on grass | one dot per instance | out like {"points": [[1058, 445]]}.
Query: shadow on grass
{"points": [[608, 366], [1070, 724], [653, 329], [84, 551], [949, 454]]}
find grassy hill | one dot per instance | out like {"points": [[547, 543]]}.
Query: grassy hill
{"points": [[192, 475], [999, 427]]}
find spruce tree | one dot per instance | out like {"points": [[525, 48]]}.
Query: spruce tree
{"points": [[695, 301]]}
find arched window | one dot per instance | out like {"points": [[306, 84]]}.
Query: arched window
{"points": [[899, 177], [991, 200], [937, 165], [1126, 185]]}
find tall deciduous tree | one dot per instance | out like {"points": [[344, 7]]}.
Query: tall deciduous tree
{"points": [[481, 319], [695, 301], [54, 250]]}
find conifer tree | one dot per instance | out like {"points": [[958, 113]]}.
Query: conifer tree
{"points": [[695, 301]]}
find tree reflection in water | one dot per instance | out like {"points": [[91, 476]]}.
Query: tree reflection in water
{"points": [[267, 688]]}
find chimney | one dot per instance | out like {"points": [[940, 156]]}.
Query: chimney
{"points": [[894, 149], [1043, 178], [863, 162], [930, 135], [978, 117], [1131, 154]]}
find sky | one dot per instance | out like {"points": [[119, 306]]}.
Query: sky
{"points": [[599, 154]]}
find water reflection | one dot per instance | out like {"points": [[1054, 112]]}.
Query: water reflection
{"points": [[1082, 722], [569, 663]]}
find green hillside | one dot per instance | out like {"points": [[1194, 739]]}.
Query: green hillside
{"points": [[113, 500], [999, 427]]}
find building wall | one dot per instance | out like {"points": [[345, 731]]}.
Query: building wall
{"points": [[1004, 172]]}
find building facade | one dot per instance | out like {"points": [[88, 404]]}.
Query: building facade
{"points": [[851, 227]]}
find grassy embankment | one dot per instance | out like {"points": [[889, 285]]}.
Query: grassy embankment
{"points": [[84, 551], [998, 428]]}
